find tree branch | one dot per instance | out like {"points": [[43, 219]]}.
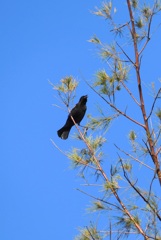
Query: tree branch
{"points": [[130, 93], [132, 157], [148, 34], [99, 199], [156, 97], [118, 110], [139, 193], [125, 54], [142, 106]]}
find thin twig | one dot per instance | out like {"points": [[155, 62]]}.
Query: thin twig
{"points": [[139, 193], [110, 231], [156, 97], [150, 189], [125, 54], [58, 148], [156, 140], [158, 151], [132, 157], [90, 233], [148, 34], [81, 162], [122, 26], [107, 232], [114, 107], [130, 93], [99, 199]]}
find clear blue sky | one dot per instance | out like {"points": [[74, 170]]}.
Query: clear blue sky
{"points": [[41, 41]]}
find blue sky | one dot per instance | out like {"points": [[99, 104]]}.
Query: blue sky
{"points": [[42, 41]]}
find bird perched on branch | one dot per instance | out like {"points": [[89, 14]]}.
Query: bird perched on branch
{"points": [[77, 113]]}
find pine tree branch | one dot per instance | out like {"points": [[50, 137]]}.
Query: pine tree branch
{"points": [[142, 104], [114, 107], [139, 193], [90, 234], [135, 159], [99, 199], [112, 188], [148, 33]]}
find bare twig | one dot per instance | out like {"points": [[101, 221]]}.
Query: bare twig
{"points": [[110, 232], [125, 54], [150, 189], [58, 148], [157, 170], [156, 97], [158, 151], [130, 93]]}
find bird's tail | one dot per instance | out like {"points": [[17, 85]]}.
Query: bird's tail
{"points": [[64, 132]]}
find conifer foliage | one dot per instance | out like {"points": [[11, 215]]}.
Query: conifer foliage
{"points": [[126, 174]]}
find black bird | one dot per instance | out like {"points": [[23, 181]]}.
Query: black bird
{"points": [[77, 113]]}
